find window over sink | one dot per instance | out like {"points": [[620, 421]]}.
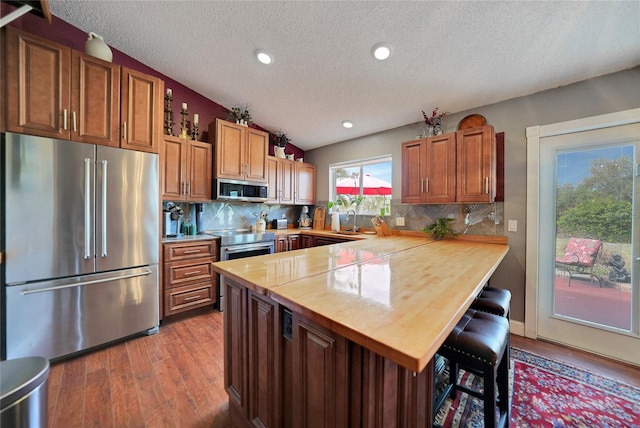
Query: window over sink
{"points": [[363, 185]]}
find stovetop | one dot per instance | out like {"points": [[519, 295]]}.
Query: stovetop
{"points": [[240, 237]]}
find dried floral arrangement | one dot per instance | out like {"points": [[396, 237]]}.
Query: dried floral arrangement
{"points": [[435, 117], [240, 113], [280, 139]]}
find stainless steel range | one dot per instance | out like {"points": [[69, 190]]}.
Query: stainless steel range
{"points": [[237, 244]]}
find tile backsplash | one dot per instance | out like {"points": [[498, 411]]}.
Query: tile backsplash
{"points": [[471, 219], [237, 215]]}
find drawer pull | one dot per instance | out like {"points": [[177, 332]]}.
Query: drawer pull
{"points": [[192, 273], [192, 298], [192, 251]]}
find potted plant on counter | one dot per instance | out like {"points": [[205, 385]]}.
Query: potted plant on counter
{"points": [[440, 228]]}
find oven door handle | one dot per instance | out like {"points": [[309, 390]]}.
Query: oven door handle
{"points": [[248, 247]]}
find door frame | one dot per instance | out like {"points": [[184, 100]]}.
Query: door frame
{"points": [[534, 134]]}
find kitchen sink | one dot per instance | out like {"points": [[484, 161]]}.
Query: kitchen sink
{"points": [[347, 232]]}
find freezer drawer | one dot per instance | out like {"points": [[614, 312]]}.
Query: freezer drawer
{"points": [[56, 318]]}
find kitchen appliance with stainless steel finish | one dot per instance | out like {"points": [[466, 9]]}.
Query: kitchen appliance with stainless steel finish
{"points": [[81, 244], [237, 244], [237, 190]]}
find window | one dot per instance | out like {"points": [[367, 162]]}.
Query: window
{"points": [[362, 185]]}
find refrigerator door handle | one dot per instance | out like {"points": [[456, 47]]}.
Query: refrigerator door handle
{"points": [[87, 208], [104, 208], [80, 284]]}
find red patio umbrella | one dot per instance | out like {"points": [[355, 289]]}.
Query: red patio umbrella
{"points": [[370, 186]]}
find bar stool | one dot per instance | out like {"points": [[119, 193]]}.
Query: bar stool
{"points": [[494, 301], [479, 344]]}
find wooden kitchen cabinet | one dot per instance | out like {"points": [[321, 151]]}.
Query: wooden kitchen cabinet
{"points": [[186, 170], [429, 170], [476, 165], [57, 92], [281, 370], [319, 241], [280, 178], [288, 243], [304, 184], [456, 167], [318, 374], [291, 182], [284, 370], [263, 368], [281, 244], [240, 152], [306, 241], [54, 91], [189, 279], [141, 111]]}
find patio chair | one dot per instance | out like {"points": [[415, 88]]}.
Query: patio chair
{"points": [[579, 258]]}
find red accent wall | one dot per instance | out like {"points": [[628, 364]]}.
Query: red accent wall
{"points": [[66, 34]]}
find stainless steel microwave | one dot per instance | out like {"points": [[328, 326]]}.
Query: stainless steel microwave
{"points": [[236, 190]]}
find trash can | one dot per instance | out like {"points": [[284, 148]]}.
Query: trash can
{"points": [[23, 392]]}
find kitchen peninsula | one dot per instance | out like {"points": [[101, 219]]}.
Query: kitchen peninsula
{"points": [[344, 335]]}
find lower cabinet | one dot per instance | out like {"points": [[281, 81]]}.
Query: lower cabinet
{"points": [[189, 279], [283, 370], [288, 243], [306, 241], [327, 240]]}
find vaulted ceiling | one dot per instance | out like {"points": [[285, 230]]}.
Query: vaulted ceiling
{"points": [[451, 55]]}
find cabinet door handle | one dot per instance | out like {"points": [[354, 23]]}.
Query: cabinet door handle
{"points": [[192, 298], [486, 185], [426, 181], [422, 185], [194, 272], [124, 133], [189, 192], [75, 128], [64, 119], [184, 188]]}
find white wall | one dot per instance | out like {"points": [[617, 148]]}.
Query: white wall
{"points": [[605, 94]]}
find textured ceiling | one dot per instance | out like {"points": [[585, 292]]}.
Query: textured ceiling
{"points": [[453, 55]]}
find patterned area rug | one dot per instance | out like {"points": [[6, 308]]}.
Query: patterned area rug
{"points": [[548, 393]]}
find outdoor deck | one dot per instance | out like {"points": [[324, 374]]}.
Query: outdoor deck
{"points": [[609, 305]]}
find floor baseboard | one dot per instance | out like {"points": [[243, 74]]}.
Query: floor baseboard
{"points": [[517, 327]]}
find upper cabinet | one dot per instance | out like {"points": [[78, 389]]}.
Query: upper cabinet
{"points": [[57, 92], [304, 190], [186, 170], [291, 182], [476, 165], [240, 152], [95, 100], [142, 110], [457, 167], [280, 174]]}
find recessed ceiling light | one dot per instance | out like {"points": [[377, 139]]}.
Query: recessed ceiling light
{"points": [[347, 124], [381, 51], [264, 56]]}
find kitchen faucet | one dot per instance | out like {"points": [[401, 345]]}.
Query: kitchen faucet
{"points": [[354, 228]]}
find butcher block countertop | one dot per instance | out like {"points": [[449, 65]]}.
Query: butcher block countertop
{"points": [[398, 296]]}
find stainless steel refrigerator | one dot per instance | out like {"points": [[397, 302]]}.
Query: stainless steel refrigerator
{"points": [[80, 243]]}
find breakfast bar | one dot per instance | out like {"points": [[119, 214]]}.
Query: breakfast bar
{"points": [[344, 335]]}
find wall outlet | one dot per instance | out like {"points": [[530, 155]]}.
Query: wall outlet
{"points": [[512, 226], [399, 221]]}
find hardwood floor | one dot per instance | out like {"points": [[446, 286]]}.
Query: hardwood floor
{"points": [[175, 378], [171, 379]]}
